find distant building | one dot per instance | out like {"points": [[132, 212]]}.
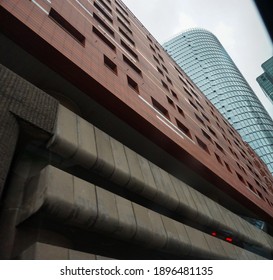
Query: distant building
{"points": [[109, 150], [266, 79], [199, 53]]}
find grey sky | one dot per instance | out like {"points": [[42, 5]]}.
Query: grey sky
{"points": [[236, 23]]}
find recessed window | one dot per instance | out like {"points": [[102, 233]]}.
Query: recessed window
{"points": [[183, 128], [169, 80], [170, 101], [194, 93], [174, 94], [199, 119], [123, 16], [157, 47], [126, 36], [219, 148], [212, 131], [103, 38], [123, 10], [240, 178], [104, 25], [205, 117], [152, 48], [228, 167], [165, 85], [202, 145], [160, 71], [165, 69], [180, 111], [132, 65], [156, 59], [193, 105], [199, 104], [149, 39], [251, 187], [132, 84], [105, 6], [69, 28], [105, 14], [125, 26], [206, 135], [187, 91], [129, 50], [110, 64], [218, 159], [161, 57], [160, 108]]}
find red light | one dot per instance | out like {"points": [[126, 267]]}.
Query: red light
{"points": [[228, 239], [213, 233]]}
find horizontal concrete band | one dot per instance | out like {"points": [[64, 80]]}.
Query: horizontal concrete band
{"points": [[80, 142], [72, 201], [42, 251]]}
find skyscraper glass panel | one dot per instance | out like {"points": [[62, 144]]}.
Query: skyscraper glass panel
{"points": [[200, 54]]}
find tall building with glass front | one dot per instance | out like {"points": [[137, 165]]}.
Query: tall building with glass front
{"points": [[266, 79], [200, 54]]}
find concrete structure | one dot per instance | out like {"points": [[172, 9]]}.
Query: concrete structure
{"points": [[107, 147], [199, 53], [266, 79]]}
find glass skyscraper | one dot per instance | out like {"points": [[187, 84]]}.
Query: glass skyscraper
{"points": [[200, 54], [266, 79]]}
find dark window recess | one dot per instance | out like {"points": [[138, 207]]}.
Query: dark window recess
{"points": [[183, 128], [194, 93], [125, 26], [178, 70], [105, 6], [169, 80], [170, 101], [227, 166], [160, 71], [124, 11], [110, 64], [156, 59], [132, 65], [104, 39], [199, 119], [129, 50], [126, 36], [187, 91], [165, 85], [212, 132], [180, 111], [218, 158], [99, 8], [160, 57], [240, 178], [104, 25], [149, 39], [202, 145], [198, 103], [205, 117], [193, 105], [160, 108], [174, 94], [62, 22], [165, 69], [220, 148], [206, 135], [158, 48], [260, 194], [152, 48], [132, 84], [123, 16]]}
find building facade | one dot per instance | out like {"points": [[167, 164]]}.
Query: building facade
{"points": [[265, 80], [199, 53], [108, 150]]}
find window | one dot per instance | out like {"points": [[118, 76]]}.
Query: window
{"points": [[124, 11], [205, 117], [170, 101], [156, 59], [165, 69], [108, 17], [63, 23], [180, 111], [126, 36], [202, 145], [121, 14], [160, 71], [206, 135], [152, 48], [104, 39], [169, 80], [160, 57], [251, 187], [105, 6], [165, 85], [160, 108], [174, 94], [195, 107], [211, 131], [110, 64], [227, 166], [219, 148], [199, 119], [124, 25], [183, 128], [104, 25], [132, 84], [218, 159], [127, 48], [132, 65]]}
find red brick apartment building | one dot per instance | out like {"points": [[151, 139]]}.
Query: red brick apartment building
{"points": [[108, 150]]}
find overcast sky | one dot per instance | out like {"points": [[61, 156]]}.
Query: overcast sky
{"points": [[236, 23]]}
